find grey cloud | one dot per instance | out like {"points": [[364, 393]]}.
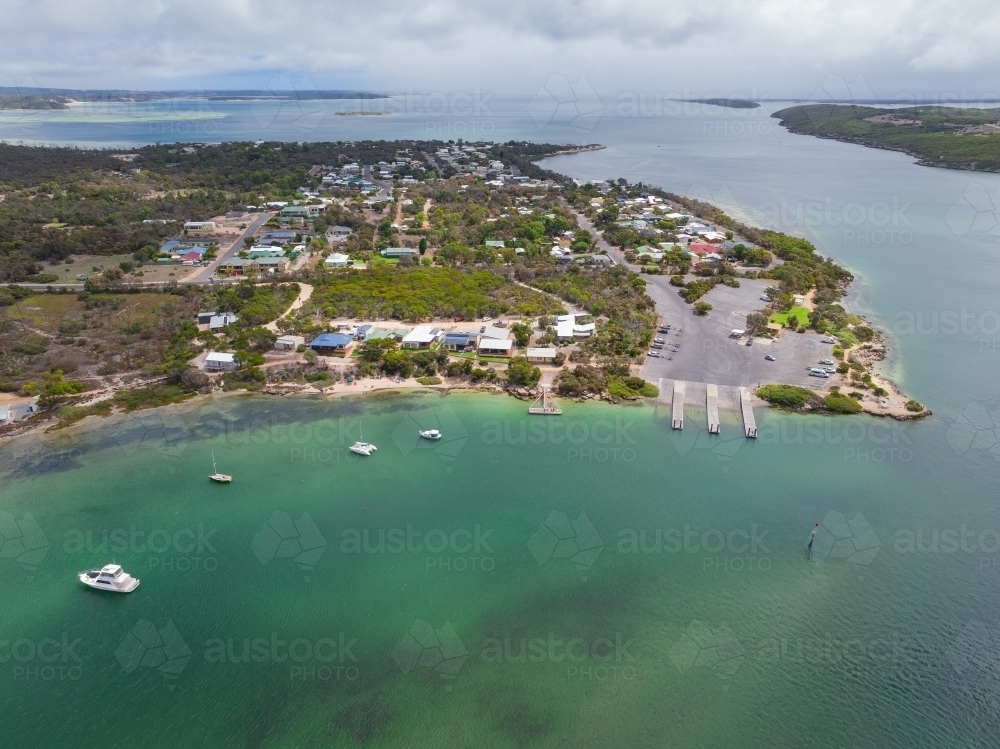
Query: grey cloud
{"points": [[782, 46]]}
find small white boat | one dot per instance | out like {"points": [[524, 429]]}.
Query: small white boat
{"points": [[110, 577], [222, 478], [363, 448], [430, 434]]}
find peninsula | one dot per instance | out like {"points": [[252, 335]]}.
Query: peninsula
{"points": [[949, 137], [145, 276]]}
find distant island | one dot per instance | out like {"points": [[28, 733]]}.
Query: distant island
{"points": [[949, 137], [731, 103], [53, 98]]}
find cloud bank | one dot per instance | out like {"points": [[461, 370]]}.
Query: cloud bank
{"points": [[772, 47]]}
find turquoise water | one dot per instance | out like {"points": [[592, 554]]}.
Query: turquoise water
{"points": [[885, 637], [675, 642]]}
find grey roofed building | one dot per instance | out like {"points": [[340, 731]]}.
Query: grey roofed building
{"points": [[220, 321], [459, 341]]}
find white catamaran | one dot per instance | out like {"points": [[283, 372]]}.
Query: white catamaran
{"points": [[361, 447]]}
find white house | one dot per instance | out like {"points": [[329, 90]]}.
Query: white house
{"points": [[541, 355], [584, 331], [495, 347], [289, 342], [422, 336], [220, 321], [498, 334], [564, 327], [337, 260], [218, 361], [199, 226]]}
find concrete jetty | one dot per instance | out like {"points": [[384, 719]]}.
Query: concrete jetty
{"points": [[712, 405], [677, 422], [749, 423]]}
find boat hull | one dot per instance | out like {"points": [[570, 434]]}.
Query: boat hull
{"points": [[128, 587]]}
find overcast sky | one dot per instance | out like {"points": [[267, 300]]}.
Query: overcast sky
{"points": [[751, 47]]}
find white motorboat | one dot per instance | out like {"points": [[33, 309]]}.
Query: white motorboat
{"points": [[110, 577], [222, 478], [363, 448], [430, 434]]}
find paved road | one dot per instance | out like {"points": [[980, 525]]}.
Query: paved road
{"points": [[206, 273]]}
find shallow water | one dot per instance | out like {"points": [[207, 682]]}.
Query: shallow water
{"points": [[885, 637]]}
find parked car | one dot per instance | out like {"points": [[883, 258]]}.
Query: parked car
{"points": [[658, 340], [770, 358], [827, 340], [482, 329], [657, 345], [750, 341], [487, 318], [826, 361], [81, 277], [655, 354]]}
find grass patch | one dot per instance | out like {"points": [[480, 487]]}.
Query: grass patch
{"points": [[429, 380], [69, 415], [799, 313], [785, 396], [150, 397], [914, 406]]}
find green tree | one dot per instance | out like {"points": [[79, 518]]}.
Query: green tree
{"points": [[756, 323], [521, 373]]}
